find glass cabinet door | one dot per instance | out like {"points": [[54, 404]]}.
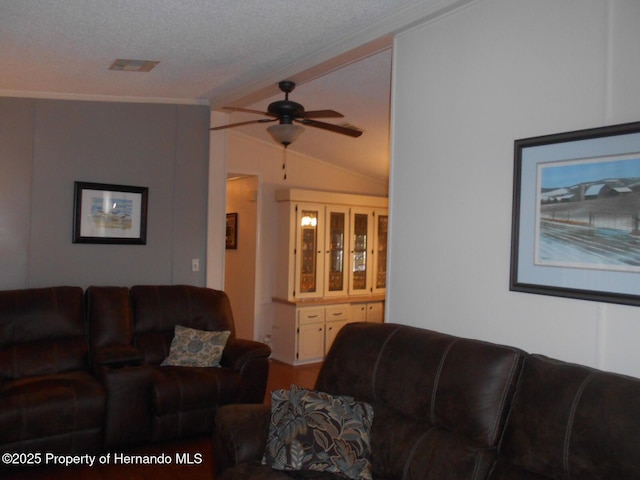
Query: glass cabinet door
{"points": [[381, 235], [308, 259], [336, 251], [360, 237]]}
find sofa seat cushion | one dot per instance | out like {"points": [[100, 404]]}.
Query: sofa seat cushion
{"points": [[404, 446], [42, 406], [256, 471], [179, 389]]}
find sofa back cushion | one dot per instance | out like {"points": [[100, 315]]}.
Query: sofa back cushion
{"points": [[110, 316], [571, 421], [42, 331], [157, 309], [440, 401]]}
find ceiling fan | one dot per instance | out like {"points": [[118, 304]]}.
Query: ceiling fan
{"points": [[286, 112]]}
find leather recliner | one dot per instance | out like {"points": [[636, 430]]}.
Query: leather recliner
{"points": [[439, 403], [455, 408], [49, 399], [133, 337]]}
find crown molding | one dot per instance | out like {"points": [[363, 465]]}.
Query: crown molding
{"points": [[100, 98]]}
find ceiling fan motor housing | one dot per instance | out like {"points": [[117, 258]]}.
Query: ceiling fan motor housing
{"points": [[286, 110]]}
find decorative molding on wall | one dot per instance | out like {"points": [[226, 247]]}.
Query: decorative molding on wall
{"points": [[100, 98]]}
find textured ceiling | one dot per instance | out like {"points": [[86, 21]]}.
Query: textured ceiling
{"points": [[219, 52]]}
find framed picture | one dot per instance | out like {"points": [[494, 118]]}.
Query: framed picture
{"points": [[232, 231], [576, 215], [109, 214]]}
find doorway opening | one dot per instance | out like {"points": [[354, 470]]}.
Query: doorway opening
{"points": [[240, 262]]}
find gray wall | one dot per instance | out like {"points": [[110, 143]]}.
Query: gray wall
{"points": [[46, 145]]}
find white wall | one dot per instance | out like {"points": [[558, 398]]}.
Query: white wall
{"points": [[246, 155], [216, 204], [465, 87]]}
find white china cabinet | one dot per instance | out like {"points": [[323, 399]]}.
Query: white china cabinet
{"points": [[332, 259]]}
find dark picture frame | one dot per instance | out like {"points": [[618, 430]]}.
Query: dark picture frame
{"points": [[231, 235], [576, 215], [109, 214]]}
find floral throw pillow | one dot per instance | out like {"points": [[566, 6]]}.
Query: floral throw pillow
{"points": [[196, 348], [312, 430]]}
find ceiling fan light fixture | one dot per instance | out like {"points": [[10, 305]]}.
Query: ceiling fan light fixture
{"points": [[285, 133]]}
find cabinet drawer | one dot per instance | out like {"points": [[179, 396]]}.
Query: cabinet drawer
{"points": [[310, 315], [337, 312]]}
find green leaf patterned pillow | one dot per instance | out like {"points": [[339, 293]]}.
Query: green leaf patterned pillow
{"points": [[317, 431], [196, 348]]}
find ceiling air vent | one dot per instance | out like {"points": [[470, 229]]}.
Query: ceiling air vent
{"points": [[125, 65]]}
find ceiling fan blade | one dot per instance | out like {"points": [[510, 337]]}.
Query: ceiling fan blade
{"points": [[262, 120], [248, 110], [352, 132], [323, 114]]}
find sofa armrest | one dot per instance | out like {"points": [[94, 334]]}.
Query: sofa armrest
{"points": [[117, 356], [239, 352], [251, 360], [240, 435]]}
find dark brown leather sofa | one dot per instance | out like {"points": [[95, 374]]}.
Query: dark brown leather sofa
{"points": [[448, 408], [131, 332], [80, 373], [49, 399], [571, 421]]}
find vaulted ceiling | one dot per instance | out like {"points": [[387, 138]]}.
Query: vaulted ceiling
{"points": [[220, 52]]}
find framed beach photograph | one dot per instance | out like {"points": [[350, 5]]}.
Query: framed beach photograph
{"points": [[106, 213], [576, 215]]}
